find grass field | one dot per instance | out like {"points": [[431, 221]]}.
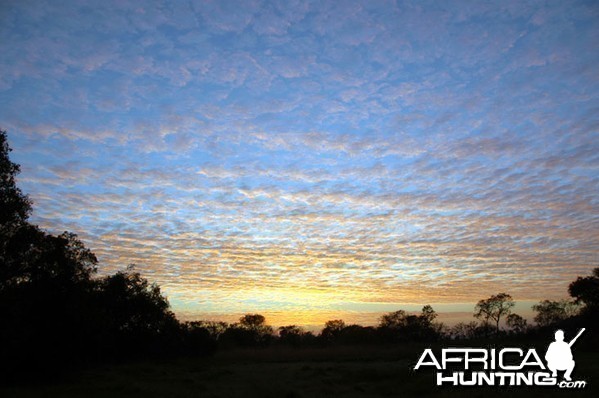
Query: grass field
{"points": [[285, 372]]}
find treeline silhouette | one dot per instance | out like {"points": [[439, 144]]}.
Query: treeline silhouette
{"points": [[56, 312]]}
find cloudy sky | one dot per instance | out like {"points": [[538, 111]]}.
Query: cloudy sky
{"points": [[300, 158]]}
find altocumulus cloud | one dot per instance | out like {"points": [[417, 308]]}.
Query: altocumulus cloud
{"points": [[312, 155]]}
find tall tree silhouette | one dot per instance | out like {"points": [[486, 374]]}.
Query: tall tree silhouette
{"points": [[53, 310], [14, 205], [494, 308], [45, 282]]}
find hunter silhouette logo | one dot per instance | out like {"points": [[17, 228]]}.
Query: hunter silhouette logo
{"points": [[505, 366], [559, 355]]}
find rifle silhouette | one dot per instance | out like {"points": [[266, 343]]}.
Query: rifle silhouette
{"points": [[577, 336]]}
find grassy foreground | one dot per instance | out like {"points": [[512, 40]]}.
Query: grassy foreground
{"points": [[285, 372]]}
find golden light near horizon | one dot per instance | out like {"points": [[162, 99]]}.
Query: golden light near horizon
{"points": [[308, 159]]}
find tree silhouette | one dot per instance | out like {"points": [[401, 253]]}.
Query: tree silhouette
{"points": [[251, 330], [53, 311], [494, 308], [14, 205], [290, 330], [357, 334], [201, 337], [393, 320], [294, 335], [400, 325], [428, 315], [214, 328], [586, 291], [45, 283], [462, 330], [332, 329], [550, 312], [135, 311], [252, 321], [516, 323]]}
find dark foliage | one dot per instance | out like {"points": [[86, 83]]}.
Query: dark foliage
{"points": [[401, 326], [198, 339], [14, 205], [551, 312], [586, 291], [251, 331], [295, 336], [54, 312], [332, 330]]}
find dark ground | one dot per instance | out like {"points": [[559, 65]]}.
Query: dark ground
{"points": [[376, 371]]}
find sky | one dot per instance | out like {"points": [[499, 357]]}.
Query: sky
{"points": [[313, 160]]}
